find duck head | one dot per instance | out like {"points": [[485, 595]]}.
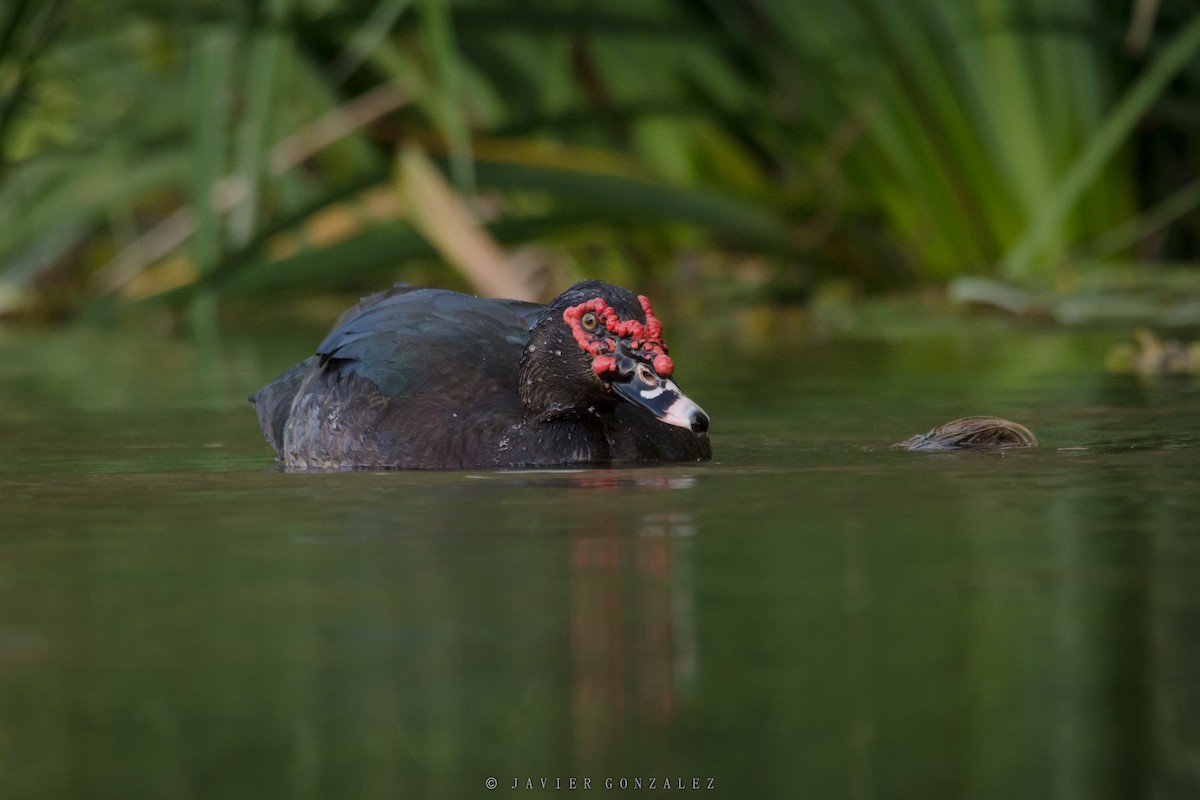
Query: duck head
{"points": [[595, 345]]}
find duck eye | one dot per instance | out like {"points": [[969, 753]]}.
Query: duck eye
{"points": [[589, 321]]}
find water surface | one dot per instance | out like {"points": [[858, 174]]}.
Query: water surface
{"points": [[810, 615]]}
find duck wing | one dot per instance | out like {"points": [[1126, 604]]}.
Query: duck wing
{"points": [[410, 341], [408, 377]]}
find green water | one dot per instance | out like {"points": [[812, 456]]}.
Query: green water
{"points": [[811, 615]]}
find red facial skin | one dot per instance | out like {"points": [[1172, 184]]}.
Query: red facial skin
{"points": [[638, 337]]}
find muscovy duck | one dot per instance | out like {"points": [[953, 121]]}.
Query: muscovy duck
{"points": [[416, 378]]}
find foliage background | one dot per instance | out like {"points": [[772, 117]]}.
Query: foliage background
{"points": [[1036, 157]]}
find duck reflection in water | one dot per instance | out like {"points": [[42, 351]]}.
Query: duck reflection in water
{"points": [[632, 633]]}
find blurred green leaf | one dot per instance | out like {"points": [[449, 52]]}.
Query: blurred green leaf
{"points": [[883, 142], [1183, 49]]}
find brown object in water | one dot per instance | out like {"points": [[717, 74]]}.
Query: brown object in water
{"points": [[1150, 355], [972, 433]]}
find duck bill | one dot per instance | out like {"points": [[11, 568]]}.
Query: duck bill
{"points": [[663, 399]]}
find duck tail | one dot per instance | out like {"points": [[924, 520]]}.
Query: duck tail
{"points": [[273, 403]]}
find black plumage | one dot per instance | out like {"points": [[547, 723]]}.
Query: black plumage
{"points": [[431, 379]]}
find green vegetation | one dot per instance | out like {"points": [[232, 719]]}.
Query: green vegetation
{"points": [[162, 151]]}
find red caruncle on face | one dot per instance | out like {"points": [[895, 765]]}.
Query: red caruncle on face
{"points": [[637, 337]]}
